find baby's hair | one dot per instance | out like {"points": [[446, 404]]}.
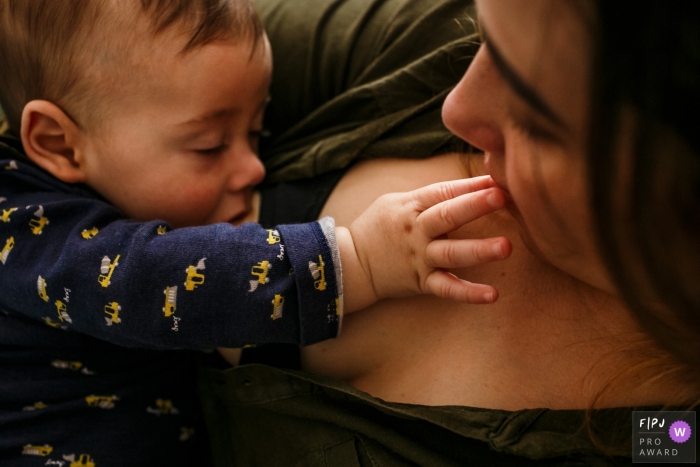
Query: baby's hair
{"points": [[55, 49]]}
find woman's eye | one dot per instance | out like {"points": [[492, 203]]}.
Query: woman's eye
{"points": [[533, 132], [213, 151]]}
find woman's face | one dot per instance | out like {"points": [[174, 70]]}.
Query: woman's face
{"points": [[524, 102]]}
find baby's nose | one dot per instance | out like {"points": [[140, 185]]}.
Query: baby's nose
{"points": [[248, 171]]}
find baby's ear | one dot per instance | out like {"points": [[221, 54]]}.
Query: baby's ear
{"points": [[50, 140]]}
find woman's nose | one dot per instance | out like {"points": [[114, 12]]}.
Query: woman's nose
{"points": [[475, 109]]}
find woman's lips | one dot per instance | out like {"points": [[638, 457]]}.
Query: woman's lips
{"points": [[492, 170]]}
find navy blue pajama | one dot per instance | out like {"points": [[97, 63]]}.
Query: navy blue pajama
{"points": [[99, 317]]}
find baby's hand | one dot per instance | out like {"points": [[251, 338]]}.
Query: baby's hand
{"points": [[398, 246]]}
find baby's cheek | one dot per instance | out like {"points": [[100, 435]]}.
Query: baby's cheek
{"points": [[193, 205]]}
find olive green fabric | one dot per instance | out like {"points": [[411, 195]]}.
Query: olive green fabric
{"points": [[360, 79], [263, 416]]}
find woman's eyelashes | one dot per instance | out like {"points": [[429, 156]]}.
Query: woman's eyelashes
{"points": [[534, 132]]}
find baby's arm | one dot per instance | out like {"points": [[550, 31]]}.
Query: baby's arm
{"points": [[397, 247], [72, 261]]}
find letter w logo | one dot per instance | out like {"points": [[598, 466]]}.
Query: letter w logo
{"points": [[680, 431]]}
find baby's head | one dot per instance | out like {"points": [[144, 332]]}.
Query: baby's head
{"points": [[155, 104]]}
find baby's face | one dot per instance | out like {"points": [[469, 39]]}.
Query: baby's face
{"points": [[181, 145]]}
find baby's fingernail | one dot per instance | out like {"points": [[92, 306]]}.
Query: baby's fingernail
{"points": [[497, 249], [488, 297]]}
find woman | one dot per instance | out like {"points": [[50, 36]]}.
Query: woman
{"points": [[584, 123]]}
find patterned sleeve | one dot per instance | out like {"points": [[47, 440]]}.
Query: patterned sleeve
{"points": [[71, 260]]}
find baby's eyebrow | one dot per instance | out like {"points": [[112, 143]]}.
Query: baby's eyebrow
{"points": [[220, 113], [214, 115]]}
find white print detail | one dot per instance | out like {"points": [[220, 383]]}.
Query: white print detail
{"points": [[55, 462], [104, 266], [2, 199], [175, 321], [186, 433], [66, 297], [12, 165], [281, 255]]}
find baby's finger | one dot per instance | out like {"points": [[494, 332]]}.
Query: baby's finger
{"points": [[446, 285], [465, 253], [431, 195], [453, 214]]}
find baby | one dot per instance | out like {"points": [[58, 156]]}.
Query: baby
{"points": [[139, 123]]}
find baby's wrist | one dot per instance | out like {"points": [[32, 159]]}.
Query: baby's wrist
{"points": [[358, 289]]}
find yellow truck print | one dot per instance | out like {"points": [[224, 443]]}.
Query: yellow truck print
{"points": [[6, 213], [273, 236], [51, 323], [38, 222], [170, 301], [32, 450], [318, 272], [107, 269], [112, 309], [194, 278], [103, 402], [65, 365], [88, 234], [62, 313], [163, 407], [161, 230], [36, 406], [277, 305], [41, 288], [9, 245], [260, 271], [84, 460]]}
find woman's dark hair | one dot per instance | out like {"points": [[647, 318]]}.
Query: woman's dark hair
{"points": [[646, 190]]}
